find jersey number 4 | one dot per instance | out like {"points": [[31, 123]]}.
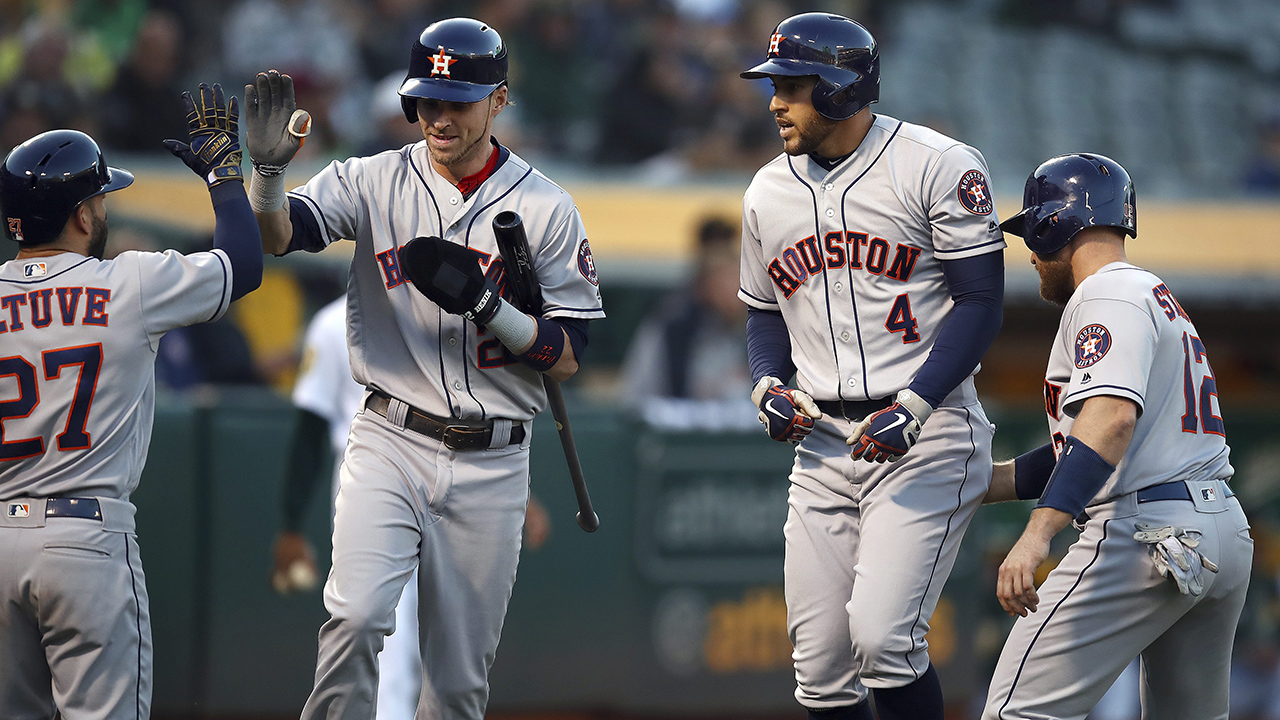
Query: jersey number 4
{"points": [[74, 436], [901, 320], [1194, 353]]}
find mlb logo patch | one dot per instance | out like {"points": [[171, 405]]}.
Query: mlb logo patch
{"points": [[19, 510], [1209, 494], [35, 269]]}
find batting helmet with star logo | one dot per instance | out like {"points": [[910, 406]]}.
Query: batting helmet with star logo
{"points": [[455, 60], [1071, 192]]}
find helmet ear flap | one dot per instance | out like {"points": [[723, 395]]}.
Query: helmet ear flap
{"points": [[410, 107]]}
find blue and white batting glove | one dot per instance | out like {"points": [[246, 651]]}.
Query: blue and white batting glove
{"points": [[787, 414], [890, 433]]}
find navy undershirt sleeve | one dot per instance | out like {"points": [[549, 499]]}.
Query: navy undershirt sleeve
{"points": [[306, 231], [977, 287], [768, 345], [576, 329], [236, 234]]}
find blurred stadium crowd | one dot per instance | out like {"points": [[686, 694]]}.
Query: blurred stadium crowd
{"points": [[1187, 92]]}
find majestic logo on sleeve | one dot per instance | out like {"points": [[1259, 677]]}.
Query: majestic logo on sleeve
{"points": [[1092, 344], [586, 265], [440, 62], [975, 196]]}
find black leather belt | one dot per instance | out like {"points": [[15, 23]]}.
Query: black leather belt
{"points": [[455, 434], [855, 410], [1172, 490], [86, 508]]}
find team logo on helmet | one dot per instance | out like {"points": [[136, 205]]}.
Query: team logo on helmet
{"points": [[586, 265], [441, 61], [773, 43], [1092, 344], [974, 194], [15, 228]]}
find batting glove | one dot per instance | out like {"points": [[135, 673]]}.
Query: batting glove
{"points": [[214, 152], [450, 276], [1173, 552], [275, 128], [787, 414], [890, 433]]}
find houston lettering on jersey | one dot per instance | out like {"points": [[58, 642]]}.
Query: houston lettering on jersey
{"points": [[36, 308], [806, 259]]}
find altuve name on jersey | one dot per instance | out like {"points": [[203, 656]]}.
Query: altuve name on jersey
{"points": [[38, 308], [806, 259]]}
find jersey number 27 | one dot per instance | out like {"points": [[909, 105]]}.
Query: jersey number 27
{"points": [[73, 436]]}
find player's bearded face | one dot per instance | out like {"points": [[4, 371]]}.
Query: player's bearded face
{"points": [[97, 230], [1056, 280], [457, 133], [802, 129]]}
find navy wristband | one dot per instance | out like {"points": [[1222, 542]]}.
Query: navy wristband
{"points": [[1031, 471], [1079, 476], [548, 346]]}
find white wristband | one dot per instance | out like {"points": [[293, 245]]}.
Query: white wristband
{"points": [[512, 327], [266, 192]]}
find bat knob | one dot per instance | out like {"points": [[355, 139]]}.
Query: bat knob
{"points": [[589, 523]]}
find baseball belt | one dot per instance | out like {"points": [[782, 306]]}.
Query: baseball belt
{"points": [[1172, 490], [855, 410], [454, 433]]}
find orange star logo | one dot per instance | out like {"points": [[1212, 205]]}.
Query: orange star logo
{"points": [[440, 62]]}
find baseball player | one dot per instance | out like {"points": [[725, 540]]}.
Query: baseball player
{"points": [[436, 471], [77, 377], [872, 266], [1138, 458]]}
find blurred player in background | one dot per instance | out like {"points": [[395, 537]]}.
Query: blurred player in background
{"points": [[78, 378], [872, 265], [693, 347], [1138, 459]]}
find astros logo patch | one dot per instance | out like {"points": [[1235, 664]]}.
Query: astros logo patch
{"points": [[586, 265], [440, 63], [974, 194], [773, 43], [1092, 344]]}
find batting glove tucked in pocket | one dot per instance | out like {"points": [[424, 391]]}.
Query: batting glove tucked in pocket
{"points": [[787, 414], [1173, 552], [890, 433]]}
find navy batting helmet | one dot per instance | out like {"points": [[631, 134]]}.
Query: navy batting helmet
{"points": [[455, 60], [839, 51], [1068, 193], [45, 178]]}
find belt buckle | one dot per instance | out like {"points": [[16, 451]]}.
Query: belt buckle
{"points": [[464, 437]]}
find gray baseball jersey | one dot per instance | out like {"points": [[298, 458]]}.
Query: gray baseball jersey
{"points": [[406, 500], [77, 377], [401, 342], [851, 258], [1123, 334]]}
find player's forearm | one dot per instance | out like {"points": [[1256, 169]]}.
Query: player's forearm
{"points": [[977, 287], [1105, 424], [277, 231], [1002, 486], [1045, 523], [236, 234]]}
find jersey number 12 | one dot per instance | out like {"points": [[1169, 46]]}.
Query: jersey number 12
{"points": [[74, 435], [1194, 353]]}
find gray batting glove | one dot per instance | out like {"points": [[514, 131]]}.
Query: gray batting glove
{"points": [[1174, 552], [275, 128]]}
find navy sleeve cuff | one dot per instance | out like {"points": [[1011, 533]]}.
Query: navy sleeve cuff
{"points": [[306, 231]]}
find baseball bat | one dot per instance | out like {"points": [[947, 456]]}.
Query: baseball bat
{"points": [[513, 245]]}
